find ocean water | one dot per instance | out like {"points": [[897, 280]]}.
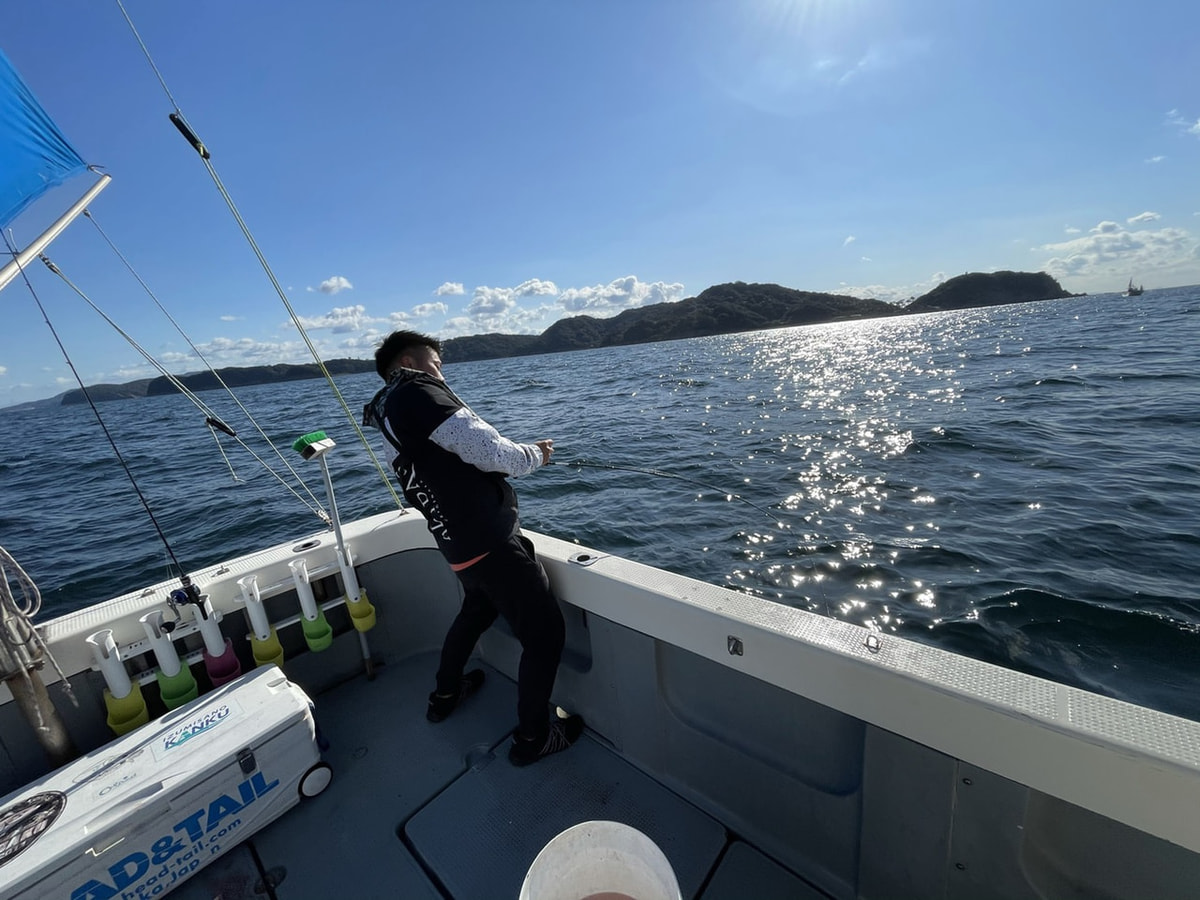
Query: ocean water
{"points": [[1020, 484]]}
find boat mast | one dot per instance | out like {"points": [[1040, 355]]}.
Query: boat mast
{"points": [[24, 257]]}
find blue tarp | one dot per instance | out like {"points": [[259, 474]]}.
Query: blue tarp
{"points": [[34, 155]]}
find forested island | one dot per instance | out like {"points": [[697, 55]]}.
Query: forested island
{"points": [[737, 306], [721, 309]]}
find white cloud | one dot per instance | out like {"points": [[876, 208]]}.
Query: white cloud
{"points": [[124, 373], [458, 326], [900, 294], [1072, 230], [1143, 217], [339, 319], [1174, 117], [535, 287], [450, 287], [850, 239], [232, 318], [335, 285], [3, 370], [865, 258], [523, 309], [358, 345], [494, 303], [423, 310], [1110, 251], [527, 308], [489, 301], [624, 293], [1155, 159], [223, 351]]}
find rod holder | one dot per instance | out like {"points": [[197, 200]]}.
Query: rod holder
{"points": [[160, 643], [108, 658], [318, 633], [122, 697], [208, 621], [264, 642]]}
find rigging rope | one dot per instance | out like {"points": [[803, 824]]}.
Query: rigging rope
{"points": [[181, 123], [100, 419], [19, 637], [211, 419], [216, 374]]}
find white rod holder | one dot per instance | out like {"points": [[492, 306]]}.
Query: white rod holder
{"points": [[160, 643], [349, 578], [209, 623], [308, 603], [254, 606], [108, 658]]}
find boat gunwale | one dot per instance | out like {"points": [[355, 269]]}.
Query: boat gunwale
{"points": [[1130, 763]]}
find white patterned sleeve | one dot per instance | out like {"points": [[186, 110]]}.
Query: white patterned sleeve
{"points": [[476, 442]]}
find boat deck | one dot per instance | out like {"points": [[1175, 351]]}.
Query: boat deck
{"points": [[422, 810]]}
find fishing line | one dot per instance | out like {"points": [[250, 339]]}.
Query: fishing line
{"points": [[211, 419], [103, 427], [177, 118], [659, 473]]}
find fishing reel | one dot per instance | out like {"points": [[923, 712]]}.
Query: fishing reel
{"points": [[181, 596]]}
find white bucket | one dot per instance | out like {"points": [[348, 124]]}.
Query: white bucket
{"points": [[600, 861]]}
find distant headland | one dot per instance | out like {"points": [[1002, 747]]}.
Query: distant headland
{"points": [[721, 309]]}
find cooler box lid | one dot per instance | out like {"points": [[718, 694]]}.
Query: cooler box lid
{"points": [[89, 803]]}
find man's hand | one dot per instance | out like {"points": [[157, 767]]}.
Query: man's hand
{"points": [[547, 447]]}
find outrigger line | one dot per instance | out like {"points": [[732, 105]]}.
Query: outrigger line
{"points": [[212, 420], [184, 579], [178, 120]]}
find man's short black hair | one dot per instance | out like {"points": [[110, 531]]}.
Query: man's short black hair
{"points": [[394, 346]]}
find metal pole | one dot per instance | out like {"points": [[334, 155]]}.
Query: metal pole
{"points": [[9, 272], [35, 704], [344, 553]]}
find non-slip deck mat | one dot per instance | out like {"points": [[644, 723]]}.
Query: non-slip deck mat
{"points": [[387, 762], [746, 873], [480, 836]]}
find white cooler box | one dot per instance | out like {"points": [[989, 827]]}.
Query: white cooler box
{"points": [[142, 814]]}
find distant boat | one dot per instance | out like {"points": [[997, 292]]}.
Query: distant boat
{"points": [[1132, 291]]}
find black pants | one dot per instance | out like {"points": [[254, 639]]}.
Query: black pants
{"points": [[510, 582]]}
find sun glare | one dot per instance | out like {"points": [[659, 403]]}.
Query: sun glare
{"points": [[788, 57]]}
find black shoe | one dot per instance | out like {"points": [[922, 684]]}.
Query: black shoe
{"points": [[440, 707], [562, 734]]}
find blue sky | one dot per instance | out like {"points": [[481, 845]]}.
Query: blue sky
{"points": [[476, 166]]}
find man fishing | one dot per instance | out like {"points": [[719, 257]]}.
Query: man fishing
{"points": [[454, 467]]}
